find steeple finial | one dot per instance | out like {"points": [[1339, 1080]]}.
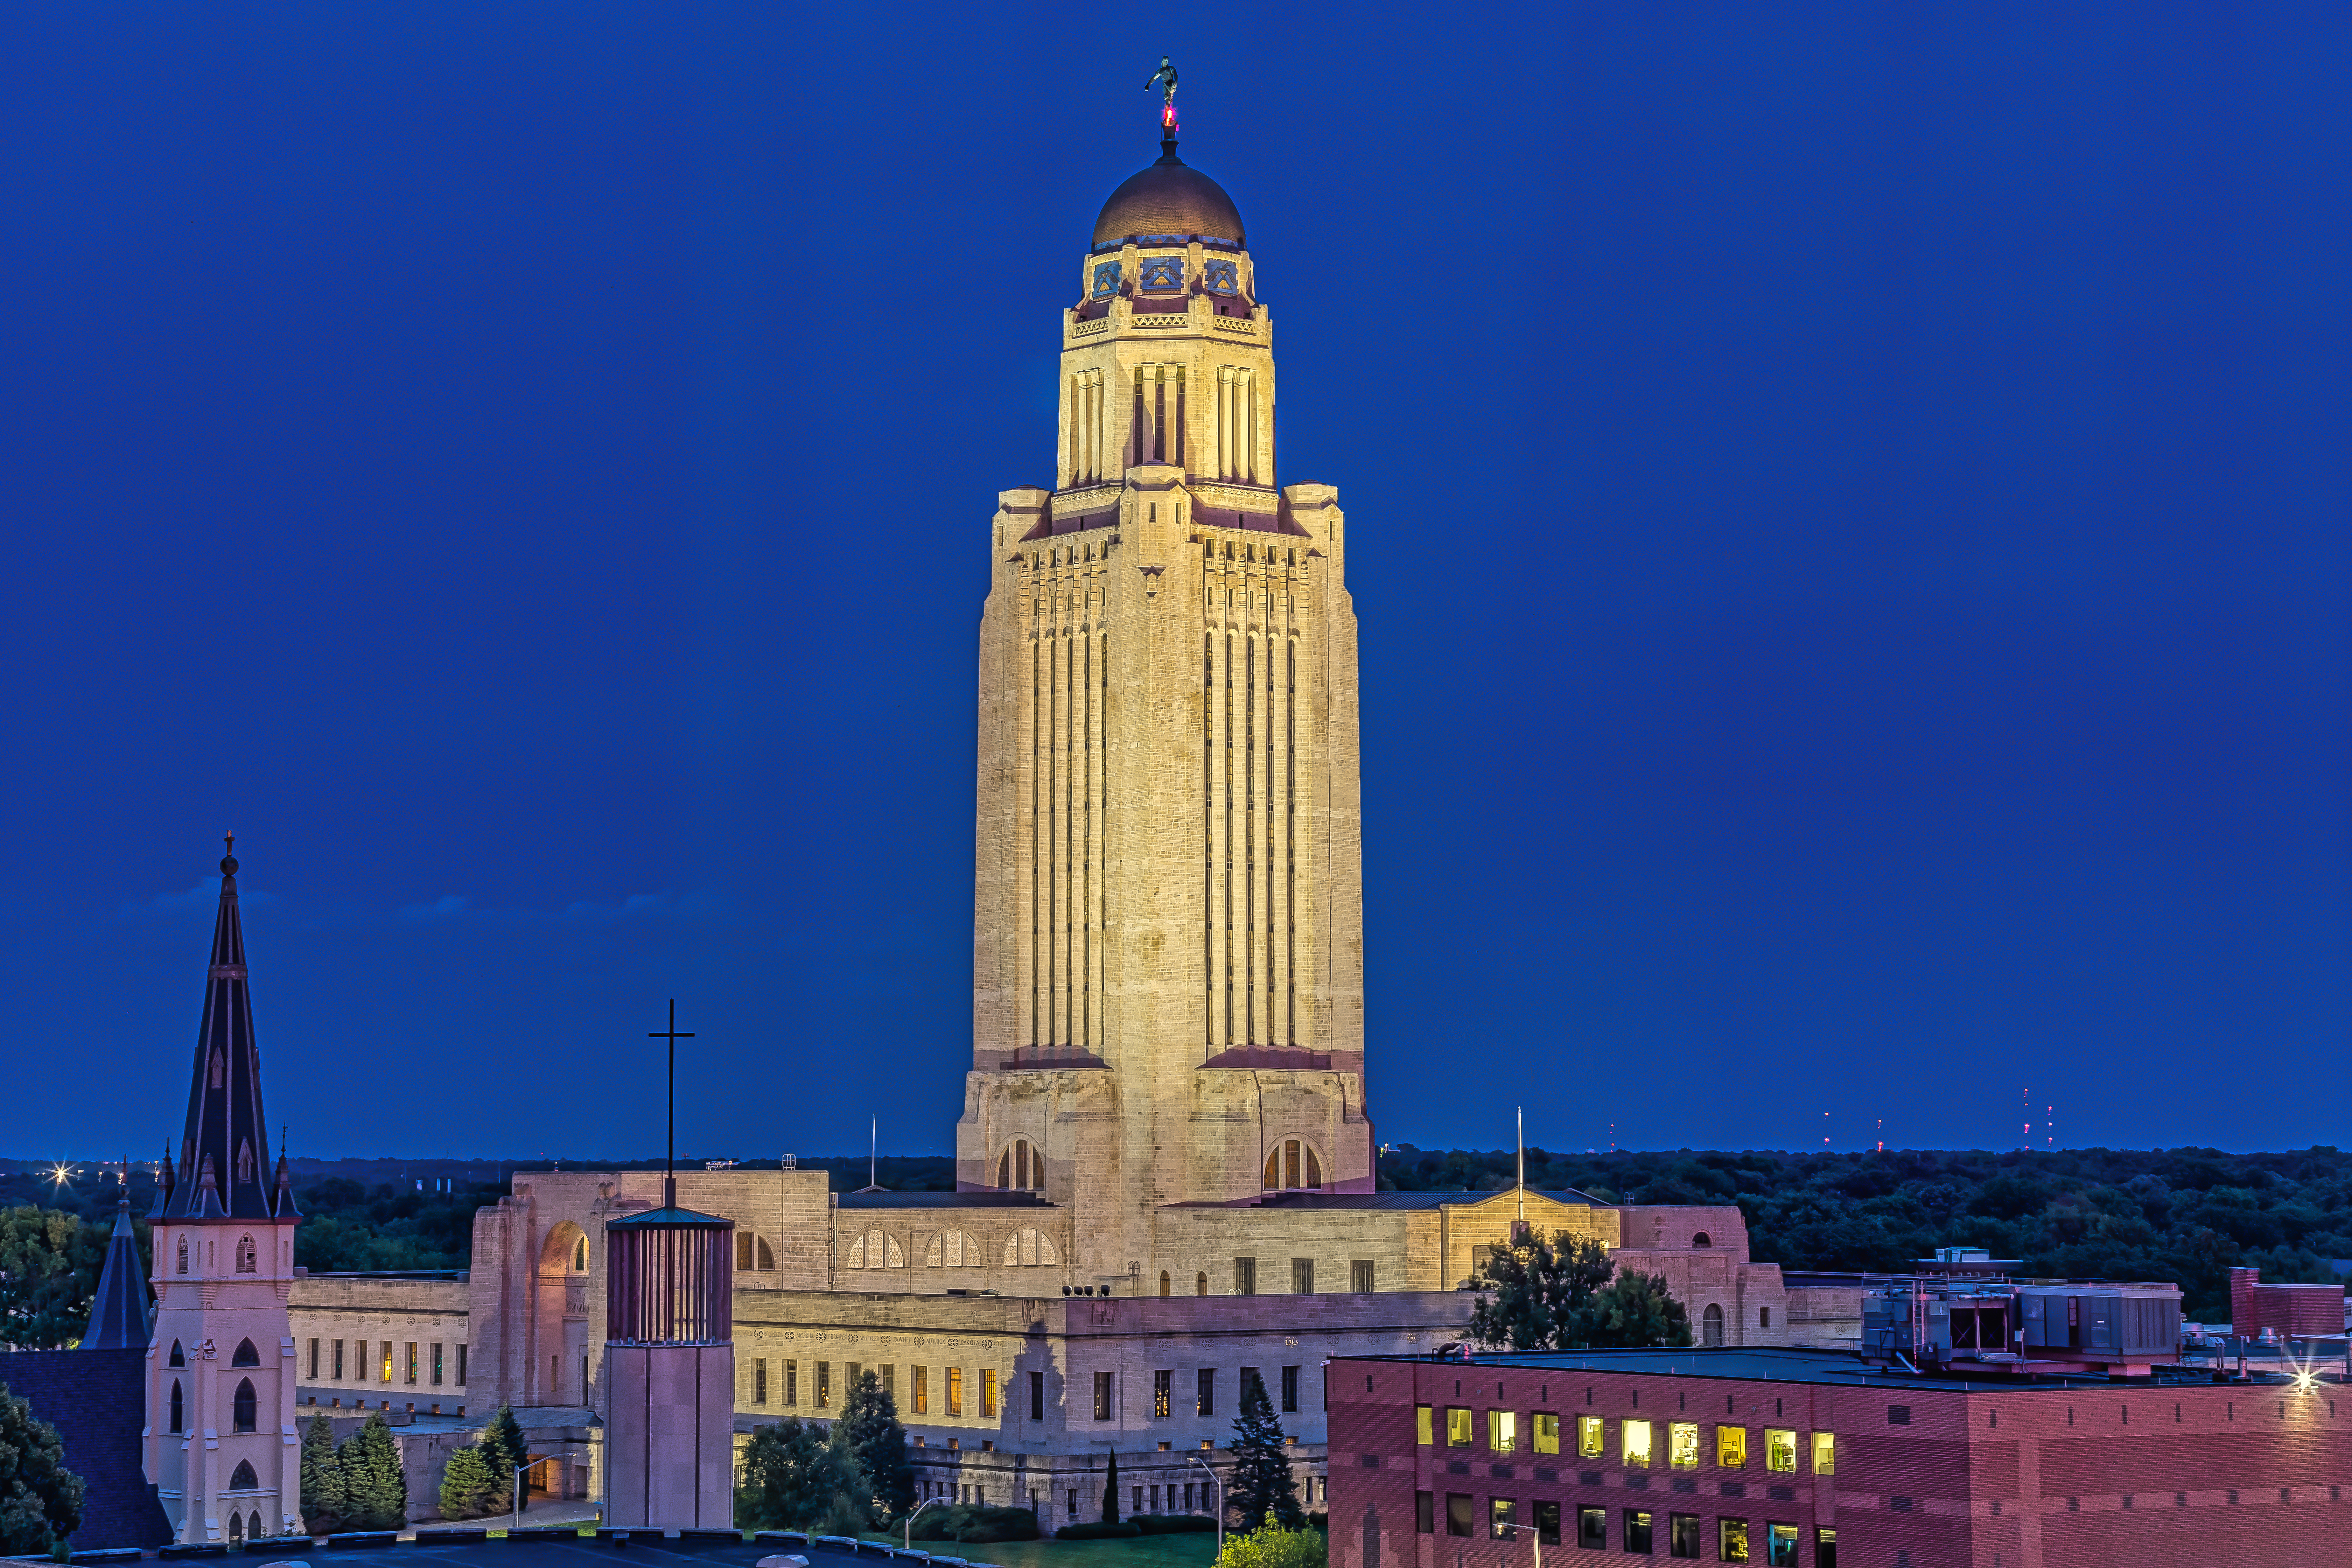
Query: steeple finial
{"points": [[229, 853]]}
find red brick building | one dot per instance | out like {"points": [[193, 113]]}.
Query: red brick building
{"points": [[2288, 1312], [1815, 1459]]}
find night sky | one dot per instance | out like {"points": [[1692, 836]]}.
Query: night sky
{"points": [[1850, 533]]}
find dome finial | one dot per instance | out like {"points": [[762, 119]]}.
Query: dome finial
{"points": [[1165, 79], [228, 860]]}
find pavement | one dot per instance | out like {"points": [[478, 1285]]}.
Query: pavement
{"points": [[642, 1548]]}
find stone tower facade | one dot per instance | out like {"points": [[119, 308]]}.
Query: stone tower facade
{"points": [[1168, 925], [220, 1439]]}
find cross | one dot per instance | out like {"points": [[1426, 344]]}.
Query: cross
{"points": [[669, 1163]]}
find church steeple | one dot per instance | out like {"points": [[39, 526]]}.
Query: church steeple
{"points": [[117, 1320], [223, 1158]]}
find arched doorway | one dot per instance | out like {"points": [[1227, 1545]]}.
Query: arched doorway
{"points": [[559, 1371]]}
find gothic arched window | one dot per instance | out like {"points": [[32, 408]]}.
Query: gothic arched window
{"points": [[1021, 1168], [179, 1357], [246, 1354], [184, 1255], [220, 1069], [245, 1160], [1201, 1284], [235, 1528], [241, 1408], [243, 1480], [255, 1524], [580, 1256], [246, 1256], [1711, 1325], [954, 1249], [1029, 1247], [1700, 1240], [177, 1418], [1293, 1164], [875, 1249]]}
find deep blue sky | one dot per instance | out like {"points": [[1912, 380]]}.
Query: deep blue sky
{"points": [[1848, 524]]}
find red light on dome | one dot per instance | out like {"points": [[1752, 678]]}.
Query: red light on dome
{"points": [[1168, 116]]}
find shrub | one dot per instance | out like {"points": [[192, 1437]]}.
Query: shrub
{"points": [[1275, 1547], [1101, 1530], [1176, 1523], [975, 1521]]}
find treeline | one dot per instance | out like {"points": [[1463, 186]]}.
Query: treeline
{"points": [[2184, 1215]]}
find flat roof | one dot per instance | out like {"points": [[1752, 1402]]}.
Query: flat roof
{"points": [[1007, 1198], [1763, 1364], [1296, 1198]]}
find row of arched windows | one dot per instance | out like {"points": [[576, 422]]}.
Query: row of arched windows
{"points": [[245, 1408], [248, 1256], [1027, 1247]]}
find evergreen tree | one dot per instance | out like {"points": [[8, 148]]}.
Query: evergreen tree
{"points": [[1110, 1491], [792, 1472], [1261, 1490], [375, 1490], [40, 1500], [466, 1484], [1637, 1312], [1538, 1295], [504, 1449], [323, 1503], [869, 1423]]}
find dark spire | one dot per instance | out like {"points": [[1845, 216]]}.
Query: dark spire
{"points": [[224, 1157], [284, 1202], [118, 1321]]}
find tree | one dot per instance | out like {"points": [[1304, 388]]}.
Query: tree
{"points": [[50, 1262], [503, 1449], [1110, 1490], [1261, 1490], [1538, 1295], [469, 1484], [323, 1500], [792, 1472], [40, 1500], [869, 1424], [375, 1489], [1637, 1312]]}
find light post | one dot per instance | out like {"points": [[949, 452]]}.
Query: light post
{"points": [[1514, 1528], [1221, 1501], [909, 1541], [520, 1470]]}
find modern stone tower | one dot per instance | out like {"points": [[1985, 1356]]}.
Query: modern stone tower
{"points": [[220, 1369], [1167, 926]]}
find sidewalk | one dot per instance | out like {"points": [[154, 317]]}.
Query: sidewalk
{"points": [[543, 1510]]}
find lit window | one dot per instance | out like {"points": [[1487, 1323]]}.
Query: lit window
{"points": [[1458, 1427], [1424, 1422], [1588, 1437], [1779, 1452], [1780, 1545], [1502, 1515], [954, 1249], [1825, 1454], [988, 1392], [1503, 1431], [955, 1391], [922, 1391], [1682, 1445], [1636, 1444], [1731, 1447], [1163, 1386], [1547, 1433], [247, 1257], [1030, 1247], [1104, 1395], [825, 1386], [1731, 1540]]}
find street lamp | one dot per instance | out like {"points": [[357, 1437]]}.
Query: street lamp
{"points": [[526, 1466], [1221, 1501], [909, 1541], [1539, 1538]]}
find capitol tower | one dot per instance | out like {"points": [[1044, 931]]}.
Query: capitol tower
{"points": [[1168, 922]]}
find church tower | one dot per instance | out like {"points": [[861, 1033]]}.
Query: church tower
{"points": [[221, 1446], [1168, 921]]}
